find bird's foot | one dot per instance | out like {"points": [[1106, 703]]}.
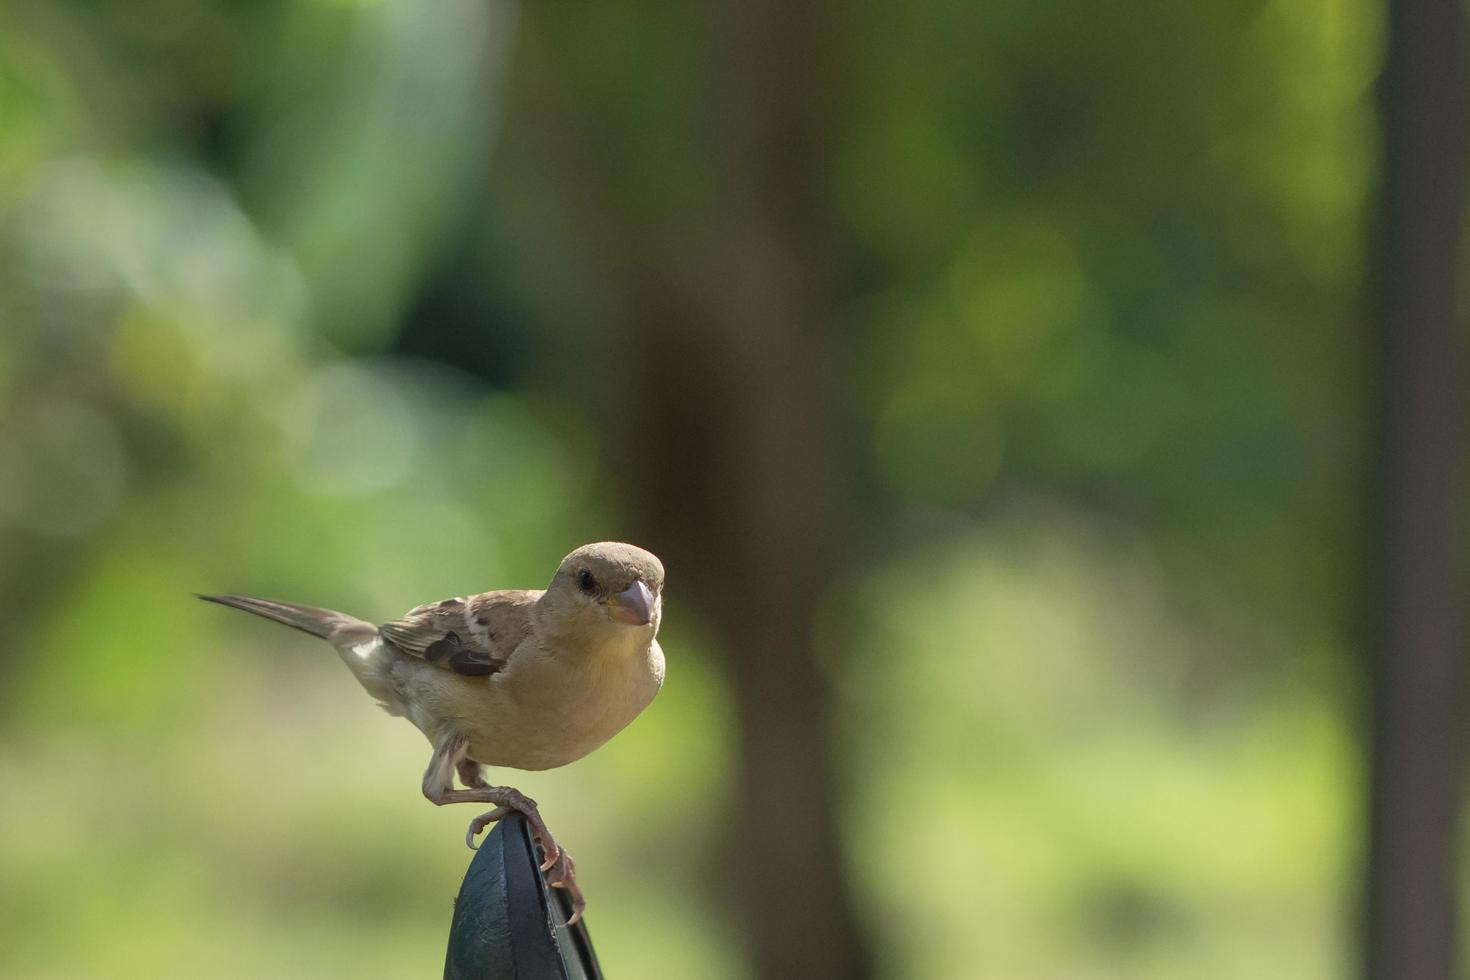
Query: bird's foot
{"points": [[563, 874], [514, 801], [556, 864], [482, 821]]}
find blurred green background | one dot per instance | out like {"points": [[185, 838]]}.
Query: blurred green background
{"points": [[364, 303]]}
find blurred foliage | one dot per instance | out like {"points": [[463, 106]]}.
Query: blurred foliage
{"points": [[286, 292]]}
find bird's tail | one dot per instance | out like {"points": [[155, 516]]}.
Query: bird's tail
{"points": [[357, 641], [325, 623]]}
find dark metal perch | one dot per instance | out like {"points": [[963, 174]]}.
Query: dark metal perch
{"points": [[508, 925]]}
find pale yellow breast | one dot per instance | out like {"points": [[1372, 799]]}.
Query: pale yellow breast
{"points": [[545, 711]]}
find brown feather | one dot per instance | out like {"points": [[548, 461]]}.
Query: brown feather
{"points": [[474, 636]]}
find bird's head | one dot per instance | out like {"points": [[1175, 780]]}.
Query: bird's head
{"points": [[608, 586]]}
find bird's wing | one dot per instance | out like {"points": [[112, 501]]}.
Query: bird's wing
{"points": [[473, 636]]}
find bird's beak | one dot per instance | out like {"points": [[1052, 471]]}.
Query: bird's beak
{"points": [[632, 606]]}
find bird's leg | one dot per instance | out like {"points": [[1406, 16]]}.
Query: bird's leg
{"points": [[448, 759], [472, 774]]}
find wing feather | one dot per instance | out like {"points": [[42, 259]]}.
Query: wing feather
{"points": [[473, 636]]}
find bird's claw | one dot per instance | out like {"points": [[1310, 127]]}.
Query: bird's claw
{"points": [[481, 822], [564, 875], [550, 849], [556, 864]]}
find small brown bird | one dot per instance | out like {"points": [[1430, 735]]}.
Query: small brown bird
{"points": [[524, 679]]}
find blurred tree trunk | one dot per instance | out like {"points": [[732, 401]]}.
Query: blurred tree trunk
{"points": [[732, 477], [736, 463], [708, 361], [1418, 675]]}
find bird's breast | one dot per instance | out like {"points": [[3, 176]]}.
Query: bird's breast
{"points": [[555, 709]]}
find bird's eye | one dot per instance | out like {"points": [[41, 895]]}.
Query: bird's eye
{"points": [[586, 581]]}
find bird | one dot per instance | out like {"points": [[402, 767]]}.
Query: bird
{"points": [[522, 679]]}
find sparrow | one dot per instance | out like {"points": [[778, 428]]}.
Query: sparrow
{"points": [[524, 679]]}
